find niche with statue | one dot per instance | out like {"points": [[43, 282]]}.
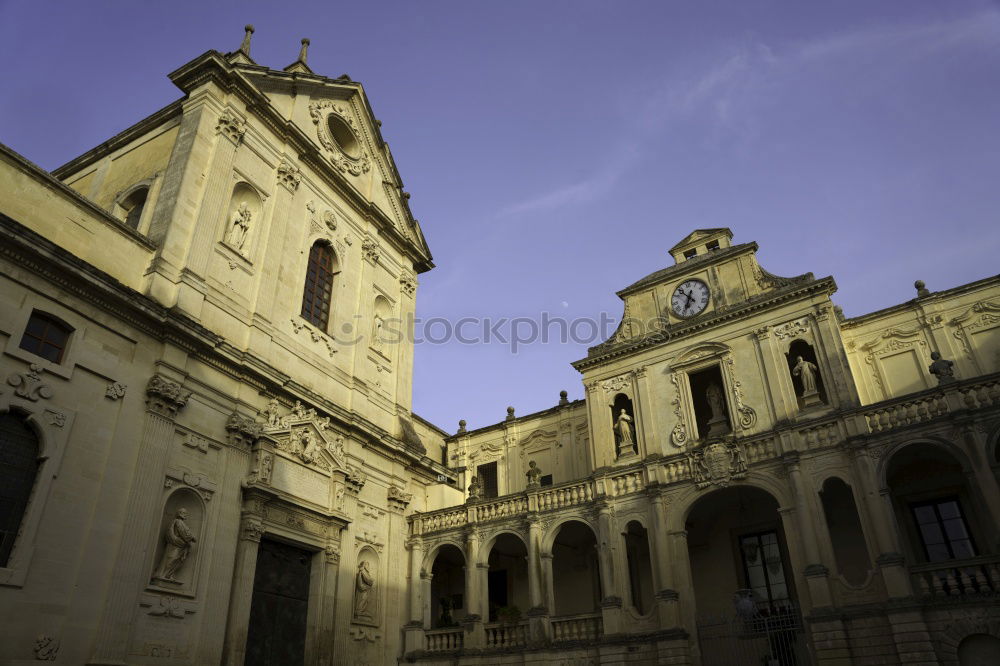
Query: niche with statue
{"points": [[806, 378], [623, 423], [367, 589], [243, 219], [175, 561]]}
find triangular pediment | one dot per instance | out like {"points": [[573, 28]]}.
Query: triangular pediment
{"points": [[306, 437]]}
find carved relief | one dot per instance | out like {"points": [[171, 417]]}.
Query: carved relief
{"points": [[289, 176], [718, 463], [54, 418], [679, 434], [168, 607], [792, 329], [332, 552], [252, 529], [408, 284], [300, 325], [355, 479], [366, 590], [616, 384], [243, 430], [244, 213], [231, 126], [340, 155], [989, 315], [178, 539], [165, 397], [46, 648], [747, 415], [398, 499], [115, 391], [330, 220], [370, 250], [263, 463], [28, 385]]}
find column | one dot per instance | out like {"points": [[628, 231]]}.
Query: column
{"points": [[545, 559], [878, 508], [782, 393], [414, 629], [476, 599], [611, 602], [241, 597], [538, 613], [980, 478], [815, 571], [164, 398], [680, 558], [663, 580]]}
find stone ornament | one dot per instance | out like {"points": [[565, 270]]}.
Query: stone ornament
{"points": [[475, 488], [717, 423], [397, 498], [289, 175], [718, 463], [344, 161], [807, 372], [46, 648], [165, 397], [408, 284], [370, 250], [231, 126], [179, 541], [942, 368], [243, 430], [28, 385], [364, 590], [299, 325], [239, 227], [262, 466], [792, 329], [115, 391]]}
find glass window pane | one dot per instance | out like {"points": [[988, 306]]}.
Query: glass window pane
{"points": [[949, 509], [925, 514], [938, 553], [963, 549], [955, 529], [931, 533]]}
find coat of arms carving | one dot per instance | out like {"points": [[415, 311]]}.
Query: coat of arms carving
{"points": [[718, 462]]}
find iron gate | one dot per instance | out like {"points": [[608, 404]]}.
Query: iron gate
{"points": [[760, 639]]}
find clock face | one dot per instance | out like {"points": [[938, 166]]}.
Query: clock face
{"points": [[689, 299]]}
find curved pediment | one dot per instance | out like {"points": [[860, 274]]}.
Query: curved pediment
{"points": [[701, 351]]}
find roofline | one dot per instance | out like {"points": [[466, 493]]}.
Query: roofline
{"points": [[710, 230], [702, 260], [906, 305], [441, 431], [518, 419]]}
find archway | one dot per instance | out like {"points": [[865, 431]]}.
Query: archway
{"points": [[576, 580], [978, 650], [447, 601], [850, 550], [742, 578], [507, 582]]}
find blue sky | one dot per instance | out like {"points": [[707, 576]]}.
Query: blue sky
{"points": [[556, 150]]}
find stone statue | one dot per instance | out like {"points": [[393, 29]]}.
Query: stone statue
{"points": [[533, 475], [310, 447], [363, 585], [446, 619], [942, 368], [623, 430], [714, 396], [270, 414], [806, 372], [179, 540], [239, 227], [475, 489]]}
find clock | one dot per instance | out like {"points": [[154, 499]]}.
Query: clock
{"points": [[690, 298]]}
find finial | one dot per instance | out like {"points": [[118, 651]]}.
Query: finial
{"points": [[461, 427], [245, 46], [922, 289], [510, 413], [563, 398], [303, 50]]}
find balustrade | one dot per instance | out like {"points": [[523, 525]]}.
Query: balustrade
{"points": [[443, 640], [566, 495], [583, 627], [976, 576], [507, 635]]}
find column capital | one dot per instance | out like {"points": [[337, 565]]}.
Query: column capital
{"points": [[165, 397], [252, 529]]}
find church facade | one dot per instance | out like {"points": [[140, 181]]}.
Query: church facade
{"points": [[208, 453]]}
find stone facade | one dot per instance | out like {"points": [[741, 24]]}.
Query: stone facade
{"points": [[225, 469]]}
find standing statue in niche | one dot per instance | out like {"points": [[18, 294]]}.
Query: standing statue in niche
{"points": [[807, 371], [239, 227], [942, 368], [179, 540], [623, 432], [377, 333], [717, 422], [534, 474], [363, 586]]}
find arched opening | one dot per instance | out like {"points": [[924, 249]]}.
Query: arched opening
{"points": [[19, 451], [131, 207], [623, 422], [846, 535], [317, 293], [743, 588], [932, 502], [576, 580], [507, 583], [640, 570], [448, 587], [806, 378], [978, 650]]}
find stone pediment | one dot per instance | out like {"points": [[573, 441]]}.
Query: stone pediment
{"points": [[305, 437], [700, 351]]}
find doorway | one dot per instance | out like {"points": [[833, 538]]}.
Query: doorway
{"points": [[276, 635]]}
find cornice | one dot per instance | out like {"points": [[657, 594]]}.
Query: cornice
{"points": [[600, 354], [913, 303], [47, 261]]}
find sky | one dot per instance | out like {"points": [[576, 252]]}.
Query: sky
{"points": [[556, 150]]}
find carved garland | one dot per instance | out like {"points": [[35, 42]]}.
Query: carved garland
{"points": [[747, 415], [679, 435]]}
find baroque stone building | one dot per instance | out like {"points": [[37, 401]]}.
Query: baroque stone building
{"points": [[209, 456]]}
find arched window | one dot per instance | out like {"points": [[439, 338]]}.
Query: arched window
{"points": [[132, 206], [46, 336], [18, 468], [318, 291]]}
